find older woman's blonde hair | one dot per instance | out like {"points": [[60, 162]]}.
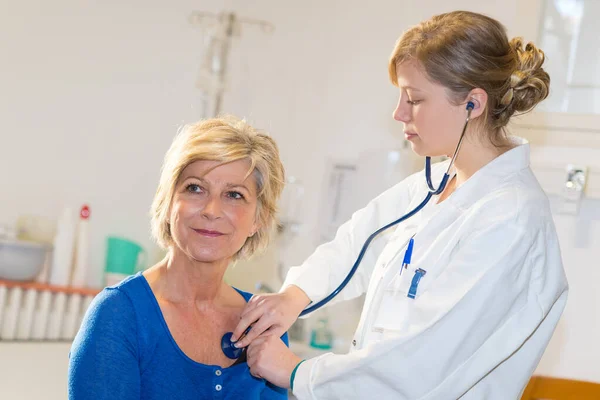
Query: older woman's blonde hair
{"points": [[225, 139]]}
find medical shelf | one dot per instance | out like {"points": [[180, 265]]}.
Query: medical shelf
{"points": [[36, 312]]}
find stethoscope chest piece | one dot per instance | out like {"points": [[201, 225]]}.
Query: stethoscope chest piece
{"points": [[229, 349]]}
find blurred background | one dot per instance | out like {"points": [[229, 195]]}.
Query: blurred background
{"points": [[92, 94]]}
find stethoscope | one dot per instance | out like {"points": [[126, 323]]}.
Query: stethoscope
{"points": [[234, 353]]}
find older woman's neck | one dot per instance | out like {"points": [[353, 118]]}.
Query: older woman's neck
{"points": [[187, 280]]}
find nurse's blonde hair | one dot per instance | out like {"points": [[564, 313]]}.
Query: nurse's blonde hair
{"points": [[462, 51], [226, 139]]}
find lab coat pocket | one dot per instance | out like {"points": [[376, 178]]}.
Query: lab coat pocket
{"points": [[395, 286], [394, 312]]}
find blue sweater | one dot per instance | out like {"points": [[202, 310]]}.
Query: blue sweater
{"points": [[124, 350]]}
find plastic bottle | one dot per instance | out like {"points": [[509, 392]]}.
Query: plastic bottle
{"points": [[3, 301], [57, 315], [11, 317], [42, 315], [26, 315], [62, 256], [81, 260], [321, 336], [71, 319]]}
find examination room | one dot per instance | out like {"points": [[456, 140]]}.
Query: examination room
{"points": [[259, 199]]}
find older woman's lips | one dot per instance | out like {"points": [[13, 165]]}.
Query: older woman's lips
{"points": [[208, 233]]}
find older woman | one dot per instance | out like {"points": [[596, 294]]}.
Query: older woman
{"points": [[157, 334]]}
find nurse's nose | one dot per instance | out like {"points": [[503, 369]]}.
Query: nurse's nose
{"points": [[402, 112]]}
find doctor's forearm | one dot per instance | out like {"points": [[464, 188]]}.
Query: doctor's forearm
{"points": [[298, 298]]}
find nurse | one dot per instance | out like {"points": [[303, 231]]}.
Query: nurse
{"points": [[470, 315]]}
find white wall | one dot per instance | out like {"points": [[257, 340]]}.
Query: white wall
{"points": [[93, 92]]}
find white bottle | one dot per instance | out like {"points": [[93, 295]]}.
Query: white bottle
{"points": [[3, 295], [57, 314], [42, 315], [70, 327], [81, 260], [62, 256], [26, 315], [11, 317]]}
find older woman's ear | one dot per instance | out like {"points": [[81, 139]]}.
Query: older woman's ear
{"points": [[255, 229]]}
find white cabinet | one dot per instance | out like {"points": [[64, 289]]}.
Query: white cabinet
{"points": [[34, 370]]}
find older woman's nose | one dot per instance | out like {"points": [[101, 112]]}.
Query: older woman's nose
{"points": [[213, 208]]}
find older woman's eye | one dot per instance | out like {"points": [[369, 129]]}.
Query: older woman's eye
{"points": [[235, 195], [193, 188]]}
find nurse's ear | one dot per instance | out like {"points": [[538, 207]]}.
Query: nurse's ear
{"points": [[479, 97]]}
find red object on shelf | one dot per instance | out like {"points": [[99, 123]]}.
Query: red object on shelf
{"points": [[85, 212]]}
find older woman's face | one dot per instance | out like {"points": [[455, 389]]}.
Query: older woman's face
{"points": [[213, 213]]}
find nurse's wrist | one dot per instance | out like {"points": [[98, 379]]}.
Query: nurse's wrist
{"points": [[293, 375], [298, 297]]}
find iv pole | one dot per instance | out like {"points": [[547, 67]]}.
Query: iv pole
{"points": [[219, 31]]}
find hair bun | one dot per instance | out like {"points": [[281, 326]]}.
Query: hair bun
{"points": [[529, 83]]}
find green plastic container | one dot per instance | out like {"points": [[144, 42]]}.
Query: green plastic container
{"points": [[123, 258]]}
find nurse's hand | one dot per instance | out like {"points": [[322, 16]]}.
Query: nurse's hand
{"points": [[269, 358], [275, 312]]}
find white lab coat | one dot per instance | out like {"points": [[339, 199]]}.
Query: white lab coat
{"points": [[484, 312]]}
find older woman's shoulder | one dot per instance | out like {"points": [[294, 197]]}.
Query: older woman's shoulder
{"points": [[119, 300], [109, 330]]}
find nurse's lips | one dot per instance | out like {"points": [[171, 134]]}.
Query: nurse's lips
{"points": [[208, 233], [409, 135]]}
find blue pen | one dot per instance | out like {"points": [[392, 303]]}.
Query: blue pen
{"points": [[408, 254]]}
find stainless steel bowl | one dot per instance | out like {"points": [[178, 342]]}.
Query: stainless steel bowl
{"points": [[21, 260]]}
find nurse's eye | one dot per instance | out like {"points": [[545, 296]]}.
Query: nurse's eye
{"points": [[194, 188], [235, 195], [414, 102]]}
